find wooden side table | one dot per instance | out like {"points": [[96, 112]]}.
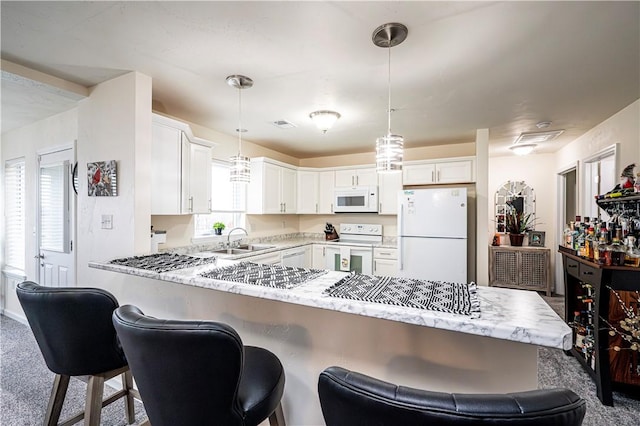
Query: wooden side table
{"points": [[524, 268]]}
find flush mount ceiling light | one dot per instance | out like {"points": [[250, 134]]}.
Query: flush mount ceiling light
{"points": [[240, 170], [389, 148], [324, 120], [523, 148]]}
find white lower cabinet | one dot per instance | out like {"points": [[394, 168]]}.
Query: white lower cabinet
{"points": [[385, 262], [318, 261]]}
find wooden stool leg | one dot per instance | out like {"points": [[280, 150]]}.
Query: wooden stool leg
{"points": [[277, 417], [58, 392], [93, 404], [127, 384]]}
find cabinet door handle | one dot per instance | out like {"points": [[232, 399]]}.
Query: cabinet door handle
{"points": [[379, 207], [316, 207], [438, 174], [209, 205], [587, 273], [357, 180], [432, 176], [352, 180], [284, 207], [191, 204], [572, 266], [331, 207]]}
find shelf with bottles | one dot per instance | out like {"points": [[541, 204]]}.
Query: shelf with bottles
{"points": [[606, 244], [584, 324]]}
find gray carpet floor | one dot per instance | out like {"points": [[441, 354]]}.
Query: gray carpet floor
{"points": [[25, 383]]}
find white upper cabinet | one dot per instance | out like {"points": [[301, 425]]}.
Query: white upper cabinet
{"points": [[315, 191], [389, 184], [308, 192], [180, 170], [434, 172], [327, 185], [272, 189], [356, 177], [199, 197]]}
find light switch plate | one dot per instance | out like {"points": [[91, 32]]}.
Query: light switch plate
{"points": [[107, 221]]}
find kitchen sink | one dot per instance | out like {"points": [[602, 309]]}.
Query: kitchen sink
{"points": [[253, 247], [242, 249]]}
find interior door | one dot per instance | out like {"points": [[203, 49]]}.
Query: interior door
{"points": [[55, 219]]}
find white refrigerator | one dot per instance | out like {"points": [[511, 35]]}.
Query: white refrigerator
{"points": [[432, 234]]}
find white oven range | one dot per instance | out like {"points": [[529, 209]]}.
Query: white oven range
{"points": [[353, 251]]}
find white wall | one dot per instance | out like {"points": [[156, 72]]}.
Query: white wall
{"points": [[622, 128], [530, 169], [58, 130], [115, 124]]}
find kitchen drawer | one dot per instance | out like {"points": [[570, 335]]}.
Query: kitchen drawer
{"points": [[589, 273], [385, 253], [573, 267]]}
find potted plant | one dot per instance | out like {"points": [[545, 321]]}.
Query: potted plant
{"points": [[218, 227], [517, 223]]}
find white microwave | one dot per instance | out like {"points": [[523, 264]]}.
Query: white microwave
{"points": [[356, 199]]}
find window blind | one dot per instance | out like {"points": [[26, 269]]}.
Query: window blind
{"points": [[53, 204], [14, 218]]}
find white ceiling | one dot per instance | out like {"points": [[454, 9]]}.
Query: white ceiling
{"points": [[464, 65]]}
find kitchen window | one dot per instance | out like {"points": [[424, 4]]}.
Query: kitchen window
{"points": [[14, 213], [228, 203]]}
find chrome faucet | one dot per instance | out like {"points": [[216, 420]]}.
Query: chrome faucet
{"points": [[229, 234]]}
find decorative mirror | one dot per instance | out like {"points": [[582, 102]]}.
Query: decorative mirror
{"points": [[514, 194]]}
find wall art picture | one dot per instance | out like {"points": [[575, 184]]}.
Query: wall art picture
{"points": [[102, 178], [536, 238]]}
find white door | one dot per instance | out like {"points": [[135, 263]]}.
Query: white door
{"points": [[55, 219]]}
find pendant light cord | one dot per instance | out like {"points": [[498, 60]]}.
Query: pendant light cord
{"points": [[389, 88], [239, 121]]}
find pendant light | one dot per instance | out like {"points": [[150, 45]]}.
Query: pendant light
{"points": [[240, 166], [389, 148]]}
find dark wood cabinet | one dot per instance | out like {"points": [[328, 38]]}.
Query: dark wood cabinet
{"points": [[611, 370]]}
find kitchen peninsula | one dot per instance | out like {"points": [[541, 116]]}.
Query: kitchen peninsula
{"points": [[310, 331]]}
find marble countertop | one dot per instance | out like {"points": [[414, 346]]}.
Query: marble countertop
{"points": [[279, 242], [515, 315]]}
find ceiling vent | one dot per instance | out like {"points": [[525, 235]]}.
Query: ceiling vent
{"points": [[283, 124], [537, 137]]}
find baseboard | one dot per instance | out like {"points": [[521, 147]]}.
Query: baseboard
{"points": [[21, 319]]}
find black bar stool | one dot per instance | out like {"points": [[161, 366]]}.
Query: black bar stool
{"points": [[73, 328], [199, 372]]}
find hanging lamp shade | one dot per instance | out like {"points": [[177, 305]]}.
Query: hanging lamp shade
{"points": [[389, 153], [389, 148], [240, 168]]}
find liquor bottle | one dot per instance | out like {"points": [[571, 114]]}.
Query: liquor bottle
{"points": [[617, 250], [588, 288], [590, 244], [632, 255], [589, 347], [636, 186], [567, 235]]}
